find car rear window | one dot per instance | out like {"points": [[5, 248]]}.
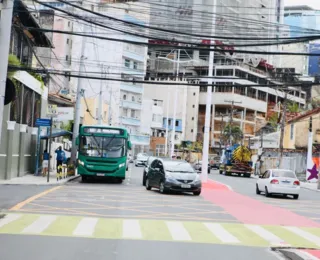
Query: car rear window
{"points": [[287, 174]]}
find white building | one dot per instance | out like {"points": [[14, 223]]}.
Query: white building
{"points": [[117, 60], [186, 123]]}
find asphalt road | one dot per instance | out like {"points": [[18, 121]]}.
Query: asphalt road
{"points": [[10, 195], [105, 220], [307, 205]]}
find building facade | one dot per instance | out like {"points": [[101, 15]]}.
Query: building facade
{"points": [[19, 131], [297, 17], [118, 60]]}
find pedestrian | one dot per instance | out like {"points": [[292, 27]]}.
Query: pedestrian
{"points": [[60, 156], [45, 162]]}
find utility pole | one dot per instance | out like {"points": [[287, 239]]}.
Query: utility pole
{"points": [[283, 124], [100, 98], [231, 117], [6, 10], [167, 124], [206, 137], [76, 122], [175, 108]]}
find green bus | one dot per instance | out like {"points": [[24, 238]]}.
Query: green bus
{"points": [[103, 152]]}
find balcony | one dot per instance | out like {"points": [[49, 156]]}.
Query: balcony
{"points": [[130, 121], [136, 72], [140, 139], [132, 88], [134, 56], [130, 104]]}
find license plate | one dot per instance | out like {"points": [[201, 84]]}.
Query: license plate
{"points": [[100, 174], [185, 186], [286, 182]]}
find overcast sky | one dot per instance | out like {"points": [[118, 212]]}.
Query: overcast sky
{"points": [[313, 3]]}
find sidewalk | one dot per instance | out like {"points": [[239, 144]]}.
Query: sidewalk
{"points": [[30, 179], [309, 186]]}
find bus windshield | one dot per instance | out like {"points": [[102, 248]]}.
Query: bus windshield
{"points": [[101, 146]]}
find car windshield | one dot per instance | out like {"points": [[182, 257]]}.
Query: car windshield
{"points": [[100, 146], [142, 155], [287, 174], [178, 167]]}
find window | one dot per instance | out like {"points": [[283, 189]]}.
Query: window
{"points": [[67, 57], [69, 23], [203, 88], [135, 65], [291, 131], [133, 113], [127, 63], [67, 41], [177, 123], [125, 112], [133, 98], [262, 95], [224, 72], [124, 97], [191, 130], [193, 106], [169, 122], [194, 93], [192, 118]]}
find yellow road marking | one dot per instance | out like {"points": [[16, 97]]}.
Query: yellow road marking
{"points": [[23, 203]]}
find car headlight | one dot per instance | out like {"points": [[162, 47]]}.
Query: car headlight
{"points": [[121, 165], [197, 179], [81, 162], [169, 178]]}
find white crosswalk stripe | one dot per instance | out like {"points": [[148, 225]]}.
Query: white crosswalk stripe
{"points": [[39, 225], [131, 229], [221, 233], [85, 227], [266, 235], [304, 234], [9, 218], [178, 231]]}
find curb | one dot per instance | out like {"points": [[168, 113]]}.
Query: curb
{"points": [[310, 189], [43, 184]]}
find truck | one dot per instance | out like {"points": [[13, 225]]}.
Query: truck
{"points": [[236, 159]]}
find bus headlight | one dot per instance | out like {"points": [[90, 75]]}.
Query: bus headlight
{"points": [[81, 162], [121, 165]]}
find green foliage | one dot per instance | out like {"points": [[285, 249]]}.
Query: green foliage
{"points": [[67, 126], [315, 103], [293, 107], [236, 134], [273, 120], [14, 61]]}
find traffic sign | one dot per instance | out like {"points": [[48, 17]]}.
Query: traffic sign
{"points": [[43, 122], [52, 110]]}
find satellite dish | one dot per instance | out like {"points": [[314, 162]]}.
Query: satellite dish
{"points": [[255, 61], [10, 92]]}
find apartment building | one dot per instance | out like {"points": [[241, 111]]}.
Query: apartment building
{"points": [[118, 60], [162, 101]]}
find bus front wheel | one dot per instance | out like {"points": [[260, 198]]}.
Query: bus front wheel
{"points": [[84, 178]]}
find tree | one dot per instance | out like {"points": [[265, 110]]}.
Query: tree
{"points": [[293, 107], [236, 134]]}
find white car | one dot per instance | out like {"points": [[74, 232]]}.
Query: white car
{"points": [[141, 159], [278, 181]]}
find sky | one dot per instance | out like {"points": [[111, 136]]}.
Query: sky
{"points": [[312, 3]]}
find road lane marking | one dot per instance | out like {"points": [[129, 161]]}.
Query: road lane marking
{"points": [[221, 233], [131, 229], [178, 231], [23, 203], [9, 218], [85, 227], [304, 234], [266, 235], [39, 225]]}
